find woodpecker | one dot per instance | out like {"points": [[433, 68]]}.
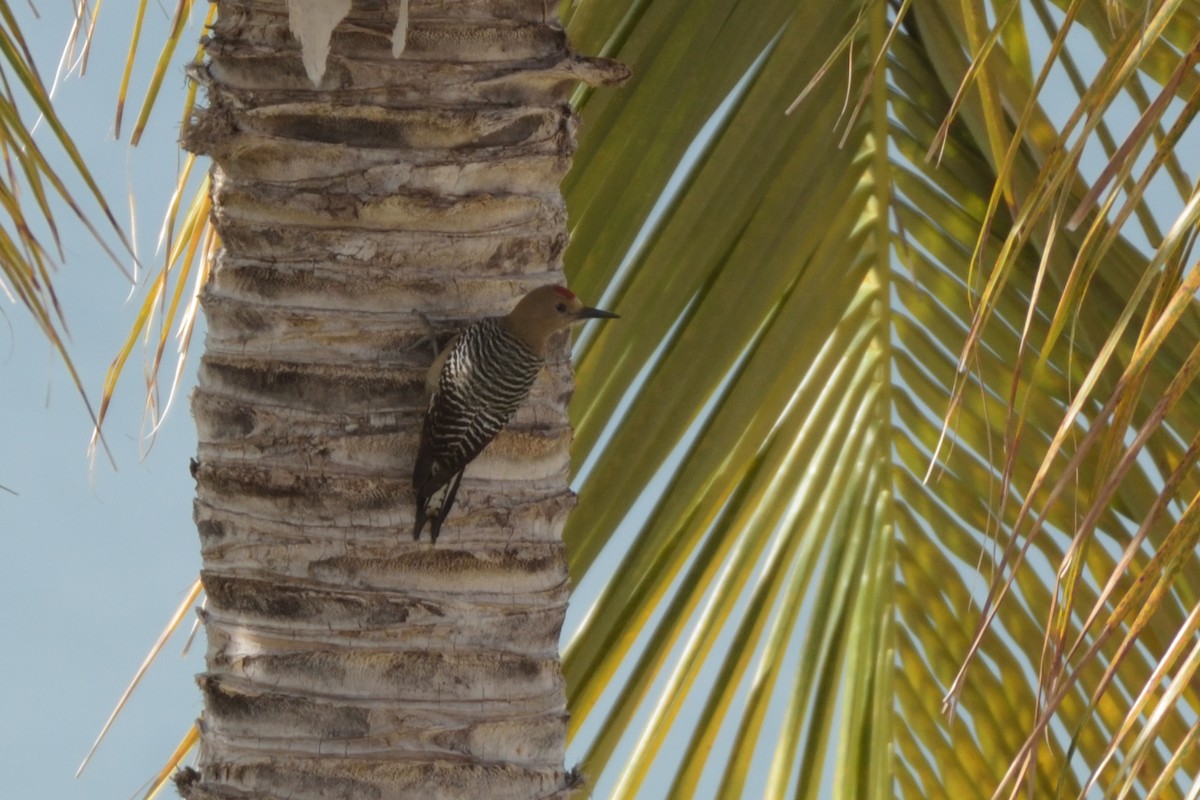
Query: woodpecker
{"points": [[475, 386]]}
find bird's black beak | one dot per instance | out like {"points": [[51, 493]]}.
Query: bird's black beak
{"points": [[595, 313]]}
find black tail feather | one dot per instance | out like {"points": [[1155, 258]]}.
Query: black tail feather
{"points": [[435, 525], [435, 514], [421, 515]]}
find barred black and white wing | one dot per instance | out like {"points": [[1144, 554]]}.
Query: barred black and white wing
{"points": [[486, 374]]}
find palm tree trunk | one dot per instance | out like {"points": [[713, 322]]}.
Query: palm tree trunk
{"points": [[344, 659]]}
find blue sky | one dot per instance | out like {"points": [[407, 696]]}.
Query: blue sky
{"points": [[95, 559]]}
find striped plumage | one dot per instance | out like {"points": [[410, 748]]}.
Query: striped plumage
{"points": [[477, 384], [486, 374]]}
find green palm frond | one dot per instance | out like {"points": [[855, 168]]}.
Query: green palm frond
{"points": [[880, 429]]}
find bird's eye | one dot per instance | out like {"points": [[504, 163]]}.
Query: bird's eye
{"points": [[562, 308]]}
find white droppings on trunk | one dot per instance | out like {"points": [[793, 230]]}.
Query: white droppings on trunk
{"points": [[312, 23], [400, 32]]}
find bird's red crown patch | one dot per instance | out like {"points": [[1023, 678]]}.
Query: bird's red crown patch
{"points": [[565, 292]]}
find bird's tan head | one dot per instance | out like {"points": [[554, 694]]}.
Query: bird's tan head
{"points": [[545, 311]]}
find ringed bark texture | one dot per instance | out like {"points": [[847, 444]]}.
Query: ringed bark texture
{"points": [[344, 659]]}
